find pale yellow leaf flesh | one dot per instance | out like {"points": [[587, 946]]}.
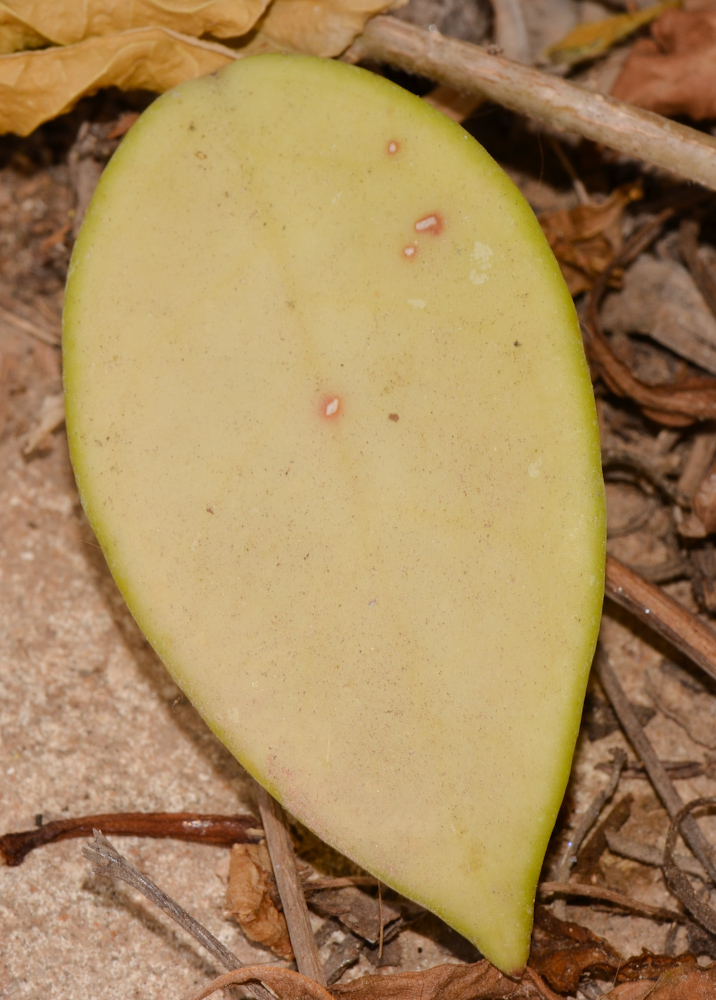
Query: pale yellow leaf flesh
{"points": [[389, 621]]}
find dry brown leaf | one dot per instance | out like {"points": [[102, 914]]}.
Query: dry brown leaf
{"points": [[593, 38], [31, 24], [314, 27], [479, 981], [694, 711], [563, 951], [672, 72], [248, 899], [586, 239], [685, 982], [37, 86], [678, 405]]}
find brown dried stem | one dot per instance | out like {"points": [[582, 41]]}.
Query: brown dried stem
{"points": [[575, 889], [662, 614], [676, 878], [569, 854], [470, 68], [222, 831], [285, 983], [659, 778], [280, 848], [109, 863]]}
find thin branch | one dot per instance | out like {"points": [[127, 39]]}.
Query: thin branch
{"points": [[576, 889], [646, 854], [676, 878], [339, 882], [662, 614], [470, 68], [108, 862], [32, 329], [285, 983], [280, 848], [222, 831], [661, 781], [590, 817]]}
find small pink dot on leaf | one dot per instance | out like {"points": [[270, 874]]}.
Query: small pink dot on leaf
{"points": [[393, 147], [330, 407], [430, 224]]}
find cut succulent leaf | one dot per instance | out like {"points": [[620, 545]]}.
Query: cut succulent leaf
{"points": [[332, 424]]}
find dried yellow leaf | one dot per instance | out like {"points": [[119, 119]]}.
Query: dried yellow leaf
{"points": [[587, 41], [36, 86], [314, 27], [31, 24]]}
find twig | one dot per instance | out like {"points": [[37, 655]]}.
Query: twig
{"points": [[280, 848], [285, 983], [108, 862], [659, 778], [678, 770], [470, 68], [205, 828], [25, 326], [647, 855], [608, 896], [591, 815], [676, 878], [662, 614], [340, 882]]}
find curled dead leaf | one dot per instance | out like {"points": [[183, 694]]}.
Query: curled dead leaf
{"points": [[593, 38], [478, 981], [563, 951], [585, 239], [41, 83], [36, 24], [314, 27], [248, 899], [672, 72], [37, 86]]}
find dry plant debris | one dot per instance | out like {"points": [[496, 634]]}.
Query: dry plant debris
{"points": [[54, 54], [672, 72], [585, 239], [594, 38], [87, 711], [249, 898]]}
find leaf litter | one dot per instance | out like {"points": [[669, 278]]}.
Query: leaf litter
{"points": [[634, 285]]}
